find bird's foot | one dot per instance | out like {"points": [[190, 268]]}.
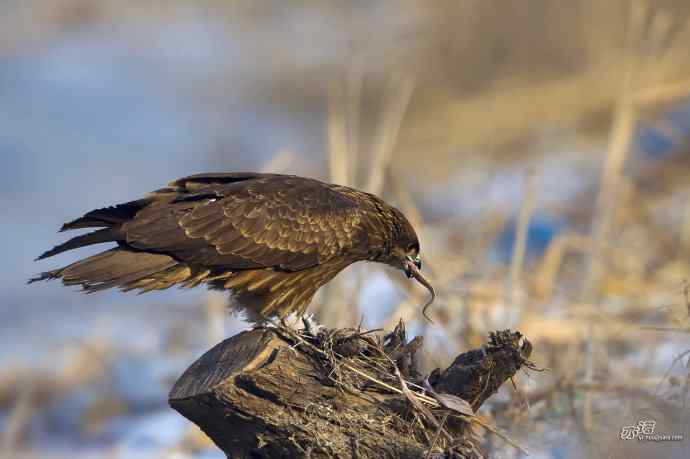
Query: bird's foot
{"points": [[289, 323], [273, 322], [287, 326], [290, 326], [311, 327]]}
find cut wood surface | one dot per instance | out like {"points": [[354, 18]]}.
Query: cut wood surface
{"points": [[271, 392]]}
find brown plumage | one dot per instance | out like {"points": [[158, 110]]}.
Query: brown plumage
{"points": [[272, 240]]}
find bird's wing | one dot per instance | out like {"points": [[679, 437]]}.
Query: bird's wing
{"points": [[249, 222]]}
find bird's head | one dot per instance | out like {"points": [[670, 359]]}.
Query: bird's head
{"points": [[405, 255]]}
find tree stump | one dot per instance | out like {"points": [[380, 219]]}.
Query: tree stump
{"points": [[270, 393]]}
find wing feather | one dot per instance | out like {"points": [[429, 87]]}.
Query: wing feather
{"points": [[242, 221]]}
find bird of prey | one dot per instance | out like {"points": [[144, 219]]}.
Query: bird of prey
{"points": [[272, 240]]}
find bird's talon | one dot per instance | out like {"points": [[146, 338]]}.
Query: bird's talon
{"points": [[311, 327]]}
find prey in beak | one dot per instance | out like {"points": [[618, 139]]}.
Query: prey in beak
{"points": [[412, 267]]}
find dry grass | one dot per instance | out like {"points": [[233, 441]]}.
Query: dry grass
{"points": [[354, 360]]}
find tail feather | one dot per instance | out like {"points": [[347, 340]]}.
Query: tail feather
{"points": [[107, 216], [121, 268], [94, 237]]}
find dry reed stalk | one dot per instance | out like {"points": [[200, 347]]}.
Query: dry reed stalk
{"points": [[354, 83], [619, 144], [280, 162], [397, 97], [685, 230], [409, 208], [558, 248], [523, 105], [663, 93], [337, 136], [661, 59], [17, 420], [216, 310], [520, 245], [407, 205], [667, 44], [654, 48], [341, 171], [667, 329]]}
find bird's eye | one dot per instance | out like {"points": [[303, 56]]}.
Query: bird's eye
{"points": [[413, 248]]}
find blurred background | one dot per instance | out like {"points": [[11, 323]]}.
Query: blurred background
{"points": [[541, 149]]}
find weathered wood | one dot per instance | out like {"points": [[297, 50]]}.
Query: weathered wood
{"points": [[263, 394]]}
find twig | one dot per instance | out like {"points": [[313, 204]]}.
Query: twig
{"points": [[426, 399], [677, 359], [418, 406], [437, 436], [430, 401], [495, 430]]}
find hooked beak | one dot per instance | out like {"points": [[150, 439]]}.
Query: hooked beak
{"points": [[410, 264], [412, 268]]}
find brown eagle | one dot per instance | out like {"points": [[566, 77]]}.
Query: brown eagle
{"points": [[272, 240]]}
